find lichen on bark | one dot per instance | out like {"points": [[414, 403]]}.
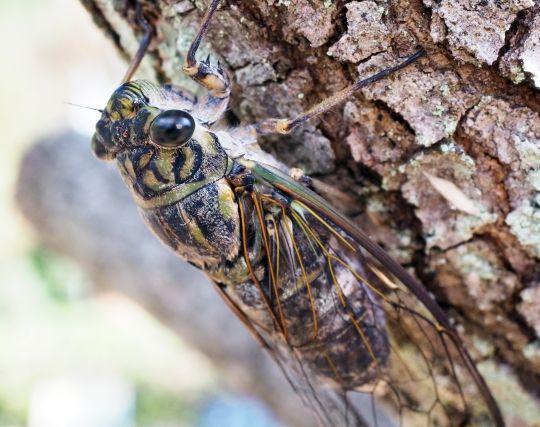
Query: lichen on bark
{"points": [[476, 30]]}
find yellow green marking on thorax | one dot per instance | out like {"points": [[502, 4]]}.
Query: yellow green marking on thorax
{"points": [[162, 177]]}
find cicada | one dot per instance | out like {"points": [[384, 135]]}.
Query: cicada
{"points": [[334, 309]]}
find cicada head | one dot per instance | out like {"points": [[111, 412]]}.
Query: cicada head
{"points": [[157, 142], [141, 113]]}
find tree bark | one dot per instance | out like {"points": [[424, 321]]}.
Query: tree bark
{"points": [[443, 157]]}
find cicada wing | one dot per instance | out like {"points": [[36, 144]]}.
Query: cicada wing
{"points": [[375, 328], [330, 407]]}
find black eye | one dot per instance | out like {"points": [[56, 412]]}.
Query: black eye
{"points": [[172, 128]]}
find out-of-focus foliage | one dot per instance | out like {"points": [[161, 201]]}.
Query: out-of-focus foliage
{"points": [[53, 324]]}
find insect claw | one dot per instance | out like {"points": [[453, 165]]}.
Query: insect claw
{"points": [[207, 60], [299, 176]]}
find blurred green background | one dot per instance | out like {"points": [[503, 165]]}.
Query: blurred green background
{"points": [[56, 335]]}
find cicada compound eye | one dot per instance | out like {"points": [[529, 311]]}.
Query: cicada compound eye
{"points": [[172, 128]]}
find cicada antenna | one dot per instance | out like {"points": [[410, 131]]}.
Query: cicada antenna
{"points": [[84, 106], [143, 45]]}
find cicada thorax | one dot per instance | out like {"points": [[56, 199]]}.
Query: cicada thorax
{"points": [[182, 192], [185, 199]]}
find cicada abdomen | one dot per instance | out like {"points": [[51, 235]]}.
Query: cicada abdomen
{"points": [[307, 290], [341, 314], [331, 306]]}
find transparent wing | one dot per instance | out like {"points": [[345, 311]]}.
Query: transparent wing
{"points": [[329, 406], [343, 317]]}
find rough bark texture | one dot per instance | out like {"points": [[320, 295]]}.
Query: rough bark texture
{"points": [[444, 156]]}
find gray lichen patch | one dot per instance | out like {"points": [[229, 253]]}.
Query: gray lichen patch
{"points": [[443, 225], [473, 277], [174, 47], [476, 28], [524, 223], [534, 179], [246, 57], [431, 103], [366, 33], [519, 407], [528, 307], [512, 135]]}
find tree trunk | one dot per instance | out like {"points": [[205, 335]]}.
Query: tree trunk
{"points": [[443, 157]]}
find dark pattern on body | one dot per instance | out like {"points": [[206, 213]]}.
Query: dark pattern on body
{"points": [[203, 227], [309, 285]]}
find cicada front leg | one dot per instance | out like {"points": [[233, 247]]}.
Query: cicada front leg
{"points": [[211, 76]]}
